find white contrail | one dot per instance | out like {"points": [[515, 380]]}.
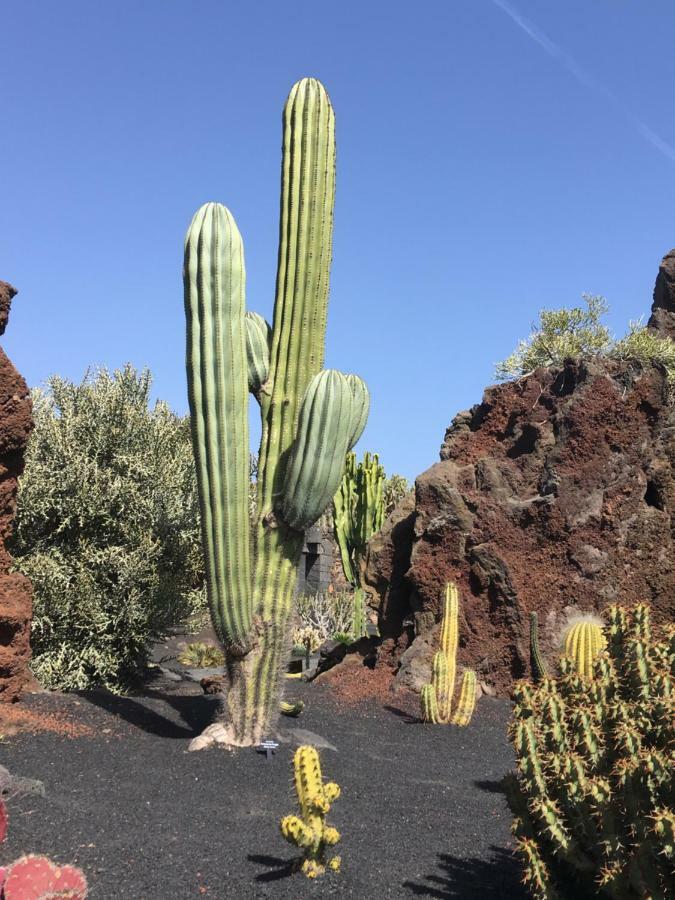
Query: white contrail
{"points": [[585, 78]]}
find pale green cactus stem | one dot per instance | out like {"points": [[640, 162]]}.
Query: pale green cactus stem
{"points": [[310, 418]]}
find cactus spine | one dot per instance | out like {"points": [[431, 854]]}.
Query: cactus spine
{"points": [[359, 511], [583, 642], [593, 792], [537, 663], [309, 831], [436, 698], [310, 418]]}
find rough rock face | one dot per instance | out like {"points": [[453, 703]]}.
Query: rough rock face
{"points": [[663, 309], [555, 494], [15, 590]]}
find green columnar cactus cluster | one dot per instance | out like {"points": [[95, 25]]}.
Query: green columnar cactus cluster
{"points": [[310, 418], [593, 791], [359, 512], [309, 831], [537, 662], [584, 641], [436, 698]]}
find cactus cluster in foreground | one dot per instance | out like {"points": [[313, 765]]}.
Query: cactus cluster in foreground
{"points": [[593, 791], [34, 877], [310, 831], [437, 697]]}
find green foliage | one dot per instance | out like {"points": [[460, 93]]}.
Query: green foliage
{"points": [[328, 613], [560, 333], [593, 792], [200, 655], [359, 510], [395, 489], [106, 528], [647, 347]]}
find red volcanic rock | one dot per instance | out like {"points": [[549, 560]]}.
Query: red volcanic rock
{"points": [[16, 423], [662, 318], [555, 494]]}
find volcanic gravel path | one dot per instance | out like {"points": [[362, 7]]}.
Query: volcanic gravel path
{"points": [[421, 812]]}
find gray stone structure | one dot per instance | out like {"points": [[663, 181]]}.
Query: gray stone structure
{"points": [[316, 563]]}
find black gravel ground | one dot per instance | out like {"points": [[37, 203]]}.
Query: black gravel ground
{"points": [[421, 811]]}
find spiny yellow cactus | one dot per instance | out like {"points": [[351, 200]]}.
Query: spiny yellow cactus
{"points": [[437, 697], [584, 642], [309, 831]]}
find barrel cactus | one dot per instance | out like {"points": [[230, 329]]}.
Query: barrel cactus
{"points": [[582, 642], [593, 791], [310, 417]]}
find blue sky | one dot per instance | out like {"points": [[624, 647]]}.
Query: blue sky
{"points": [[493, 159]]}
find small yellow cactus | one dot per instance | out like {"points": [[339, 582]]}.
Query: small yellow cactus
{"points": [[309, 831], [436, 697]]}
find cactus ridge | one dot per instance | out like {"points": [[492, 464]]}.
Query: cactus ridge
{"points": [[592, 796], [310, 831], [436, 698]]}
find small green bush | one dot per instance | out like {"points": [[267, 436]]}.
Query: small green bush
{"points": [[563, 333], [107, 528], [200, 655]]}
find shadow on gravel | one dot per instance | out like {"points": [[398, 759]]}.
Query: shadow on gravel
{"points": [[407, 717], [195, 711], [280, 868], [496, 878], [492, 787]]}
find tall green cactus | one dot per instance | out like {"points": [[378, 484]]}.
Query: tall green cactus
{"points": [[359, 511], [310, 418]]}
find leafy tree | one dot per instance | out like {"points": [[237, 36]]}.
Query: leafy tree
{"points": [[107, 528]]}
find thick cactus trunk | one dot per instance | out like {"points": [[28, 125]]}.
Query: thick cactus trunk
{"points": [[310, 418]]}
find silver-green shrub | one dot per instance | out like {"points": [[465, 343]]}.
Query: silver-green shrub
{"points": [[107, 528]]}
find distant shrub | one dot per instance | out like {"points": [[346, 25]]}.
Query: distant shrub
{"points": [[201, 656], [647, 347], [395, 489], [326, 613], [107, 528], [563, 333], [560, 333]]}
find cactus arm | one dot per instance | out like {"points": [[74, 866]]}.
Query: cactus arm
{"points": [[258, 338], [449, 641], [214, 282], [538, 665], [317, 455], [467, 700], [429, 705], [305, 247]]}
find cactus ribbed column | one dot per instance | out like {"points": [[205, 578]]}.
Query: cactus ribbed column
{"points": [[310, 418]]}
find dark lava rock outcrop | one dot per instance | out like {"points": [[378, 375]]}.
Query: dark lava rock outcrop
{"points": [[16, 423], [555, 494]]}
